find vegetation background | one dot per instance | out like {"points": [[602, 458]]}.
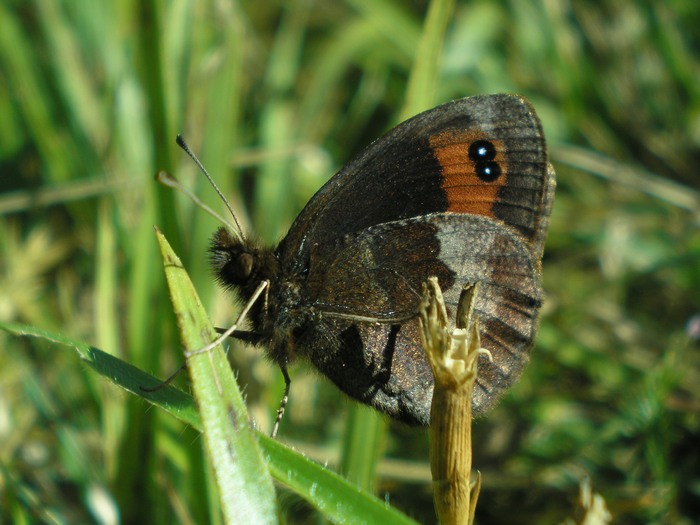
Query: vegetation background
{"points": [[275, 97]]}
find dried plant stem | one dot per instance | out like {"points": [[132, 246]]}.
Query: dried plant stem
{"points": [[453, 356]]}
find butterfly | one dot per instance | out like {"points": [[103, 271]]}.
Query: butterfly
{"points": [[463, 192]]}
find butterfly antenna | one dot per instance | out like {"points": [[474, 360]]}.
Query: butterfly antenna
{"points": [[167, 180], [181, 142]]}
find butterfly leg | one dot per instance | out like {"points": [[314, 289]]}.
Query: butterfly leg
{"points": [[283, 402]]}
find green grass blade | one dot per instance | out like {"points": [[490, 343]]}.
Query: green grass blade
{"points": [[424, 75], [334, 496], [121, 373], [246, 492], [365, 437]]}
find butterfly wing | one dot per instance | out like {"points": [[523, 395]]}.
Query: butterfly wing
{"points": [[378, 274], [425, 165], [462, 192]]}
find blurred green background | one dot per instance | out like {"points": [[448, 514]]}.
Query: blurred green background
{"points": [[274, 97]]}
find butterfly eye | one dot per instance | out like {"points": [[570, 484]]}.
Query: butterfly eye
{"points": [[244, 265]]}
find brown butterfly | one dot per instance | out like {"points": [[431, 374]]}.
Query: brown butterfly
{"points": [[462, 192]]}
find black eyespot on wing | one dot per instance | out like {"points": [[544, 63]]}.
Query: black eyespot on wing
{"points": [[482, 153]]}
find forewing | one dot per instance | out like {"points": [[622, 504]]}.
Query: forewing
{"points": [[424, 166]]}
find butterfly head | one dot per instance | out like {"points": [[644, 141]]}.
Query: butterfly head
{"points": [[239, 262]]}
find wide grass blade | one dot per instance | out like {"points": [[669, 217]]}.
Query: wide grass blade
{"points": [[334, 496], [245, 489]]}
